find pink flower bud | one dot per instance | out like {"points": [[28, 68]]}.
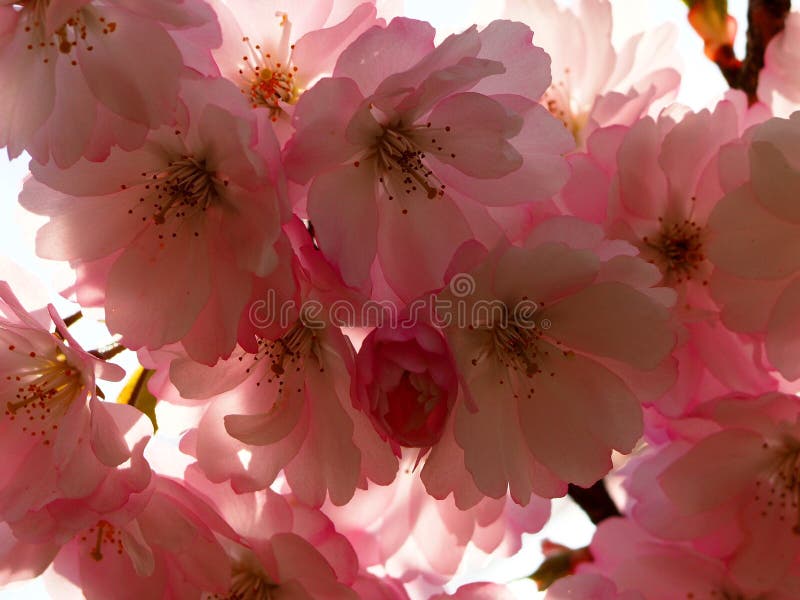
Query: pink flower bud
{"points": [[406, 382]]}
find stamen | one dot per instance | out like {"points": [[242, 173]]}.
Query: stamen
{"points": [[677, 249], [269, 82], [247, 584], [183, 188], [100, 537], [397, 153], [65, 38], [46, 387], [784, 481]]}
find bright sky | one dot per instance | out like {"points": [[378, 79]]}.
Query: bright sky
{"points": [[702, 85]]}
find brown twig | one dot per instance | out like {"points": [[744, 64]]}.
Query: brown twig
{"points": [[73, 318], [765, 19], [109, 351], [594, 501], [139, 386]]}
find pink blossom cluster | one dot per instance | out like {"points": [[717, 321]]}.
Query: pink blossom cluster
{"points": [[393, 293]]}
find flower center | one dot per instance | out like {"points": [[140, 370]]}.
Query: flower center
{"points": [[400, 160], [560, 102], [64, 38], [272, 85], [101, 540], [514, 339], [45, 388], [517, 348], [249, 585], [269, 81], [286, 355], [416, 410], [185, 188], [677, 249], [780, 489]]}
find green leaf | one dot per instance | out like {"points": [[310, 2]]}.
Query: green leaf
{"points": [[137, 395]]}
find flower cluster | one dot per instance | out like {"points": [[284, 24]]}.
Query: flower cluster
{"points": [[392, 293]]}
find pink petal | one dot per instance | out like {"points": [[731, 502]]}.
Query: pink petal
{"points": [[108, 442], [783, 332], [340, 203], [748, 241], [62, 238], [446, 81], [527, 71], [642, 185], [716, 471], [270, 427], [613, 320], [321, 118], [576, 417], [27, 99], [214, 332], [413, 260], [157, 288], [775, 182], [545, 274], [379, 53], [475, 138], [585, 586], [494, 448], [73, 120], [544, 171], [142, 87], [328, 460], [316, 52]]}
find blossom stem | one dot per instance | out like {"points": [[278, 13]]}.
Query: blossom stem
{"points": [[72, 319], [108, 352], [139, 385], [765, 19], [594, 501]]}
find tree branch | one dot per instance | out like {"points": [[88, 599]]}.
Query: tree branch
{"points": [[594, 501], [765, 19]]}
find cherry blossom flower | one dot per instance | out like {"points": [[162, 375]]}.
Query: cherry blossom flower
{"points": [[285, 548], [560, 348], [629, 564], [75, 82], [755, 240], [276, 50], [283, 403], [595, 84], [167, 549], [181, 227], [402, 529], [729, 483], [663, 208], [61, 441], [415, 136], [654, 186]]}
